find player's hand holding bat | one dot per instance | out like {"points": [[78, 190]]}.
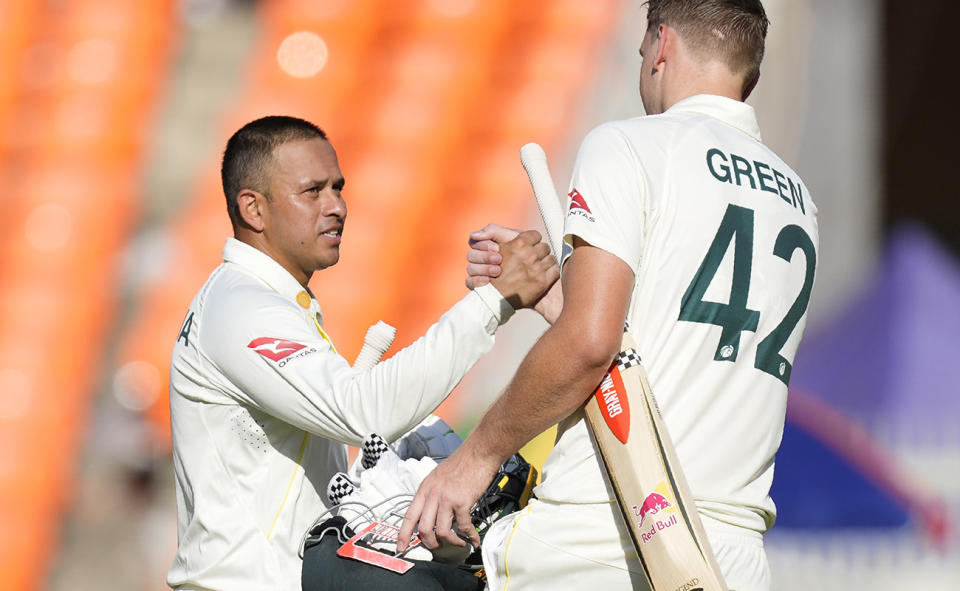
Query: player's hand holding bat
{"points": [[527, 270], [483, 264]]}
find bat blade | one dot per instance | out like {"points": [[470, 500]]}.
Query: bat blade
{"points": [[635, 447], [651, 490]]}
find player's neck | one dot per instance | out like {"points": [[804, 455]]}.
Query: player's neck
{"points": [[714, 79], [258, 241]]}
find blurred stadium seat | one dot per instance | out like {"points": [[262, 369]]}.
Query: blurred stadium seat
{"points": [[77, 89]]}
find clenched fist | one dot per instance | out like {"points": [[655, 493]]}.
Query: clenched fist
{"points": [[527, 270], [483, 265]]}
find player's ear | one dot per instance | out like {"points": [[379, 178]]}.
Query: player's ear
{"points": [[665, 42], [251, 206], [751, 85]]}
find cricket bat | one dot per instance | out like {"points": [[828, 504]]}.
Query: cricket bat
{"points": [[635, 448]]}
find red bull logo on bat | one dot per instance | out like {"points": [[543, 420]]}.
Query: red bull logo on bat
{"points": [[653, 504], [612, 398], [660, 507]]}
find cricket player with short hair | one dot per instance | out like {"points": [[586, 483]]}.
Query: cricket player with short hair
{"points": [[262, 405], [685, 225]]}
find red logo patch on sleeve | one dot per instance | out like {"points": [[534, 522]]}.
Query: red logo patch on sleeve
{"points": [[274, 349], [577, 201]]}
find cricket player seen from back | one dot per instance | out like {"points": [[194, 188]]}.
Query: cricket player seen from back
{"points": [[262, 405], [684, 224]]}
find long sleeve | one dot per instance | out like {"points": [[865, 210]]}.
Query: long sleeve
{"points": [[279, 363]]}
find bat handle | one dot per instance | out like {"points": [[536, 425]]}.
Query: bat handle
{"points": [[378, 339], [534, 161]]}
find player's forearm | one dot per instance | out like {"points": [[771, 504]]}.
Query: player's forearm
{"points": [[551, 304], [399, 392], [553, 381], [320, 393]]}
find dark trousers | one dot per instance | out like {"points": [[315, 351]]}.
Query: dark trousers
{"points": [[323, 570]]}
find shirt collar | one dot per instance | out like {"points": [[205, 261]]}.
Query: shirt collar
{"points": [[269, 271], [732, 112]]}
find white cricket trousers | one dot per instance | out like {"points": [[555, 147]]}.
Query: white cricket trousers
{"points": [[556, 546]]}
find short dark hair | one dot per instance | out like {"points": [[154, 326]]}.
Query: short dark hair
{"points": [[735, 30], [250, 149]]}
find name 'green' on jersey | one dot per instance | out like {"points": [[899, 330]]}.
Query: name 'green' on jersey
{"points": [[722, 237]]}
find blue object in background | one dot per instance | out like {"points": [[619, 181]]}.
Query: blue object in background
{"points": [[814, 488], [890, 359]]}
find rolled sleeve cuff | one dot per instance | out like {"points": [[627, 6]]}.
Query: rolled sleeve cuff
{"points": [[497, 304]]}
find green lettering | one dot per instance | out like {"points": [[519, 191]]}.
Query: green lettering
{"points": [[745, 171], [796, 191], [734, 317], [769, 359], [185, 330], [781, 184], [725, 177], [736, 229], [761, 177]]}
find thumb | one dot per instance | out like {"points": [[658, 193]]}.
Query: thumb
{"points": [[496, 233]]}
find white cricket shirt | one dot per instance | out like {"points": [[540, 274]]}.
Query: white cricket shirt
{"points": [[262, 407], [722, 237]]}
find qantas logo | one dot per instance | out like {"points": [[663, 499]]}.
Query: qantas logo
{"points": [[578, 206], [274, 349], [612, 398], [577, 201]]}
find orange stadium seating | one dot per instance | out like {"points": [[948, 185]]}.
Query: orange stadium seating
{"points": [[427, 103], [78, 87]]}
